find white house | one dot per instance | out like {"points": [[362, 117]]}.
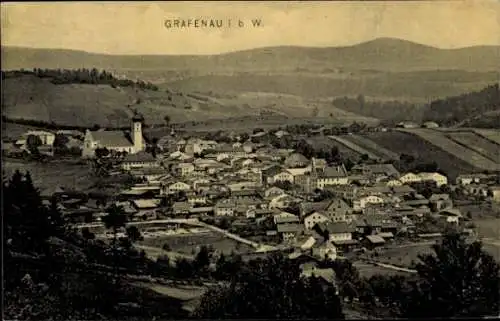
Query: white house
{"points": [[437, 178], [176, 187], [330, 176], [409, 178], [360, 203], [224, 208], [141, 160], [314, 218]]}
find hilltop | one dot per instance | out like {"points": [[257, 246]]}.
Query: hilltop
{"points": [[379, 54]]}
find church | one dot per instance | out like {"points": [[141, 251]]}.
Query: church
{"points": [[116, 140]]}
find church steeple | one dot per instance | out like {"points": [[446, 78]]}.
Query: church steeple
{"points": [[137, 121]]}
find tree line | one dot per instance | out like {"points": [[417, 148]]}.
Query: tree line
{"points": [[452, 110], [81, 76]]}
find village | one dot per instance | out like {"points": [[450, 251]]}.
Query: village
{"points": [[182, 192]]}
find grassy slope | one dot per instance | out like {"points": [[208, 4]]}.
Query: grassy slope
{"points": [[423, 151], [438, 139], [477, 143], [29, 97]]}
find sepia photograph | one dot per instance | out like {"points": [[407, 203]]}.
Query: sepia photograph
{"points": [[258, 160]]}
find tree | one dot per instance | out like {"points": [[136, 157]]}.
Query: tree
{"points": [[115, 219], [458, 280], [271, 288], [134, 234], [60, 141], [166, 118]]}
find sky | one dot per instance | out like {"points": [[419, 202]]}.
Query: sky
{"points": [[139, 27]]}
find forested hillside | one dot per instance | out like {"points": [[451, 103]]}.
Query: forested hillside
{"points": [[454, 110]]}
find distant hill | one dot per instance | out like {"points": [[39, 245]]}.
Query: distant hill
{"points": [[380, 54]]}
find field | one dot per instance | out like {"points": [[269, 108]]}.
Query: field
{"points": [[352, 146], [477, 143], [439, 139], [491, 134], [422, 150], [29, 97], [47, 177], [322, 142], [187, 244], [371, 146]]}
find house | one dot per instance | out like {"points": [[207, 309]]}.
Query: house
{"points": [[273, 192], [451, 215], [410, 178], [393, 182], [175, 187], [288, 231], [373, 241], [283, 201], [181, 208], [296, 160], [430, 124], [440, 201], [196, 199], [282, 176], [336, 232], [195, 146], [281, 133], [338, 210], [314, 218], [324, 250], [360, 203], [407, 124], [285, 218], [46, 138], [117, 141], [468, 179], [139, 160], [330, 176], [269, 173], [377, 170], [437, 178], [326, 276], [224, 208], [184, 169], [495, 193]]}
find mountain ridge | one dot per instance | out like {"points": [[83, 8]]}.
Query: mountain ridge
{"points": [[389, 54]]}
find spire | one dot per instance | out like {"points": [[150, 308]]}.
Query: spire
{"points": [[137, 117]]}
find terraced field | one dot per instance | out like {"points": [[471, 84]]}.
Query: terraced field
{"points": [[477, 143], [468, 155], [356, 148], [423, 151], [491, 134], [373, 147], [323, 142]]}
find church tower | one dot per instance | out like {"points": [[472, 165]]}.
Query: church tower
{"points": [[137, 137]]}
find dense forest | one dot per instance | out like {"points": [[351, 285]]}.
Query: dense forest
{"points": [[81, 76], [453, 110]]}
